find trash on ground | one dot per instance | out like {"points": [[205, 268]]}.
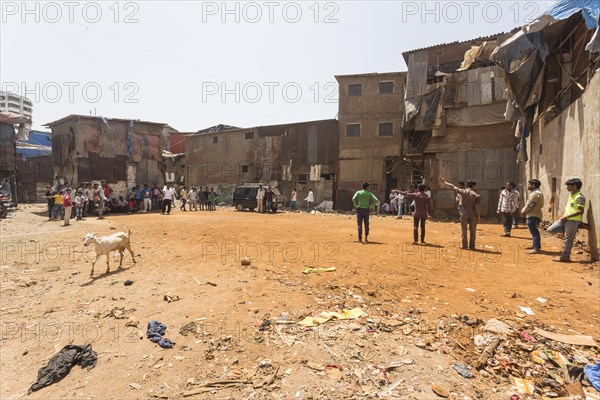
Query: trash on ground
{"points": [[310, 270], [524, 386], [527, 310], [328, 315], [170, 298], [463, 370], [155, 333], [60, 365], [580, 340]]}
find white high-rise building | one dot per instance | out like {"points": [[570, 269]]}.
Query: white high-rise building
{"points": [[16, 104]]}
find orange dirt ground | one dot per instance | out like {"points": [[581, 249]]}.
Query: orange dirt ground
{"points": [[414, 298]]}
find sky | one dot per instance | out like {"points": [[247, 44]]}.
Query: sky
{"points": [[195, 64]]}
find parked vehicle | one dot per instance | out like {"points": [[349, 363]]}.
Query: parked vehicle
{"points": [[5, 203], [244, 197]]}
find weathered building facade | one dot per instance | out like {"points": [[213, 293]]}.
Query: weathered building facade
{"points": [[455, 125], [301, 155], [122, 152], [371, 109], [554, 95]]}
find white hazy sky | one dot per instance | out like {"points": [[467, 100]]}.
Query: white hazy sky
{"points": [[195, 64]]}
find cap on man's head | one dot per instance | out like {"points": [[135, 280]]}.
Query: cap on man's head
{"points": [[365, 185]]}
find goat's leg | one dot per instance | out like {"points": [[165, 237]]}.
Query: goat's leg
{"points": [[120, 258], [107, 264], [94, 263], [130, 252]]}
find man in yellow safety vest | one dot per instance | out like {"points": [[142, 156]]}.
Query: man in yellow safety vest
{"points": [[571, 219]]}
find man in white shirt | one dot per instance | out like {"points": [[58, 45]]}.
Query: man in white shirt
{"points": [[260, 195], [102, 200], [168, 196], [310, 199]]}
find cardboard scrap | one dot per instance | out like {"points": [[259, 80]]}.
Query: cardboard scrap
{"points": [[524, 386], [329, 315], [499, 327], [313, 269], [579, 340]]}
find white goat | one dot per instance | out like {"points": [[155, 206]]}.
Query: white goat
{"points": [[105, 244]]}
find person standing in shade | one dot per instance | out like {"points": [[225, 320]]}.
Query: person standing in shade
{"points": [[533, 214], [423, 208], [269, 199], [516, 215], [213, 199], [310, 199], [470, 211], [294, 200], [68, 206], [569, 223], [363, 200], [260, 195], [400, 204], [102, 199], [50, 199], [508, 203]]}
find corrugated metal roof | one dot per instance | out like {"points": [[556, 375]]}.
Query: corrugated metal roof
{"points": [[478, 39], [77, 116]]}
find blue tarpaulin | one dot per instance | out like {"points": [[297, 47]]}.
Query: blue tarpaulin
{"points": [[565, 8]]}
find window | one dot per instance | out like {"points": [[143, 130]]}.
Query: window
{"points": [[386, 87], [249, 135], [353, 130], [386, 129], [215, 139], [355, 89], [374, 186], [244, 169], [303, 178]]}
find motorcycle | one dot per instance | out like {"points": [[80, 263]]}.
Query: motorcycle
{"points": [[5, 203]]}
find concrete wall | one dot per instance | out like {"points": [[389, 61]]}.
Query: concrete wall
{"points": [[86, 148], [280, 155], [366, 157], [566, 147]]}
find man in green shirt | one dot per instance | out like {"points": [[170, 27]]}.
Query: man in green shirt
{"points": [[363, 200]]}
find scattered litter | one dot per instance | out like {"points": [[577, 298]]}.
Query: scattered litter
{"points": [[499, 327], [541, 300], [440, 391], [524, 386], [309, 270], [60, 365], [527, 310], [527, 336], [135, 386], [334, 372], [191, 327], [128, 282], [328, 315], [315, 366], [155, 333], [593, 374], [246, 261], [470, 290], [463, 370], [170, 298], [579, 340]]}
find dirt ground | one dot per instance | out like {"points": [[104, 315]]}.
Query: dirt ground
{"points": [[423, 307]]}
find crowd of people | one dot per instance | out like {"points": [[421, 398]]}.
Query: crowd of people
{"points": [[418, 202], [85, 200]]}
